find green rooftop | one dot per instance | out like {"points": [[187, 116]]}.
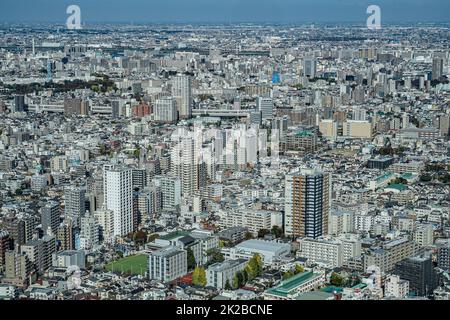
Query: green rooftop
{"points": [[407, 175], [304, 133], [384, 177], [286, 286], [174, 235], [360, 286], [331, 289], [399, 187]]}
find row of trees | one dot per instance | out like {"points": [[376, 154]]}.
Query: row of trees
{"points": [[340, 281], [252, 270], [297, 269]]}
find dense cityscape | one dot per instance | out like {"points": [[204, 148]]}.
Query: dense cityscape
{"points": [[224, 162]]}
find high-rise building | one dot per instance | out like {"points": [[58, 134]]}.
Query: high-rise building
{"points": [[40, 252], [50, 217], [307, 203], [89, 232], [166, 110], [170, 187], [419, 272], [359, 115], [443, 256], [310, 67], [140, 178], [116, 109], [438, 68], [182, 92], [444, 125], [74, 207], [167, 264], [187, 164], [5, 245], [265, 106], [17, 268], [105, 219], [64, 235], [19, 103], [20, 228], [76, 107], [118, 189]]}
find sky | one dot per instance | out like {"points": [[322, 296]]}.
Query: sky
{"points": [[279, 11]]}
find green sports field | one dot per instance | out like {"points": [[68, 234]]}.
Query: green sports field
{"points": [[135, 265]]}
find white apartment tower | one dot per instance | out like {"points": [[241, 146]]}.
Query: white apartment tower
{"points": [[182, 92], [118, 193]]}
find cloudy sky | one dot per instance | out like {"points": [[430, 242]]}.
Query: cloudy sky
{"points": [[285, 11]]}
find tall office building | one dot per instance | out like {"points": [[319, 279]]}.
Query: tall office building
{"points": [[105, 219], [19, 103], [76, 107], [40, 252], [307, 203], [265, 106], [139, 178], [118, 193], [167, 264], [74, 203], [89, 232], [17, 268], [20, 228], [420, 273], [50, 216], [187, 163], [438, 68], [182, 92], [444, 125], [115, 109], [5, 245], [359, 115], [170, 187], [166, 110], [65, 236], [310, 67]]}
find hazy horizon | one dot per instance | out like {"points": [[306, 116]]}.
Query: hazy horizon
{"points": [[230, 11]]}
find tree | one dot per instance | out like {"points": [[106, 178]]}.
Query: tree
{"points": [[215, 256], [299, 268], [336, 279], [199, 277], [287, 275], [254, 266], [262, 233], [153, 237], [227, 285], [399, 180], [139, 237], [248, 235], [191, 263], [137, 153], [277, 231], [235, 281], [245, 276], [426, 177], [240, 277], [250, 273]]}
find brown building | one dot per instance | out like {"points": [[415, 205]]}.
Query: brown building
{"points": [[307, 207], [5, 245], [76, 107]]}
